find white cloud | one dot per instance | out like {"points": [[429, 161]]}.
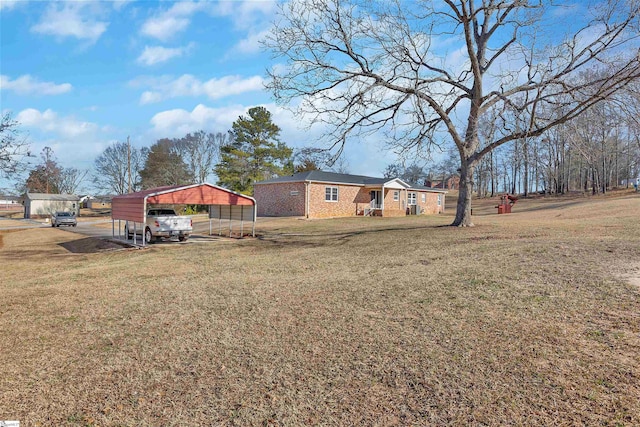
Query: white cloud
{"points": [[49, 121], [27, 85], [164, 25], [247, 14], [8, 4], [188, 85], [71, 19], [253, 17], [119, 4], [179, 122], [251, 43], [158, 54]]}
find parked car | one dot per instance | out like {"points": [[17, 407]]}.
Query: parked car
{"points": [[163, 223], [63, 218]]}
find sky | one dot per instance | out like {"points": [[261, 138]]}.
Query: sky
{"points": [[81, 75]]}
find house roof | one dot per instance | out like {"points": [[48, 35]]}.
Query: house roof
{"points": [[53, 197], [342, 178], [131, 206], [322, 176]]}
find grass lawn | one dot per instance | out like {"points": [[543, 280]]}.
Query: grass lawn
{"points": [[531, 318]]}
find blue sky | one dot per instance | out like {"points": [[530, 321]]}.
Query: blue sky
{"points": [[80, 75]]}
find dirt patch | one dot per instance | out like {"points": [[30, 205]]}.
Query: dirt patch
{"points": [[93, 245], [634, 276]]}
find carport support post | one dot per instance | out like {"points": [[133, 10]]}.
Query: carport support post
{"points": [[230, 221], [144, 219], [209, 220], [253, 227], [241, 221]]}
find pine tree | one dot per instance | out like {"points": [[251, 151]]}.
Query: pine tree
{"points": [[164, 166], [254, 152]]}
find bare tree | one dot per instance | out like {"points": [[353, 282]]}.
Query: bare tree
{"points": [[112, 167], [201, 152], [339, 165], [360, 67], [70, 179], [14, 148], [45, 177]]}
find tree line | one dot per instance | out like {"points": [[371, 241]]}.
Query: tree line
{"points": [[594, 153]]}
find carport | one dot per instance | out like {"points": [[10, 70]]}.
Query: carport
{"points": [[223, 204]]}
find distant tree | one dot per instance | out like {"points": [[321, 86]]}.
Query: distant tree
{"points": [[14, 149], [306, 165], [340, 164], [444, 169], [200, 151], [165, 166], [70, 180], [414, 175], [112, 168], [309, 159], [254, 152], [393, 170], [45, 178]]}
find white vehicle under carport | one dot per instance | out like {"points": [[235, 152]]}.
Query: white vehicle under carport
{"points": [[163, 223]]}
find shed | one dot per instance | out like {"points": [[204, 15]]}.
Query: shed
{"points": [[39, 205], [223, 203], [99, 203]]}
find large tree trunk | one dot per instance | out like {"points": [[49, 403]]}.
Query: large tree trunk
{"points": [[463, 209]]}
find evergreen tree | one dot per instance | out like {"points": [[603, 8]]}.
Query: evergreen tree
{"points": [[164, 166], [254, 152]]}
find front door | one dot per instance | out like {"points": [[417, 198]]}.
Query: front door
{"points": [[376, 199]]}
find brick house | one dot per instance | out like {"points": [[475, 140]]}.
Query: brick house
{"points": [[319, 194], [450, 183]]}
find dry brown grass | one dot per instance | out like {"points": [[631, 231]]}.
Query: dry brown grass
{"points": [[525, 319]]}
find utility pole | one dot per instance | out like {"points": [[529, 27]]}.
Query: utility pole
{"points": [[129, 162]]}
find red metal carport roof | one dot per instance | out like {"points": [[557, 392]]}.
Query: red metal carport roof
{"points": [[131, 207]]}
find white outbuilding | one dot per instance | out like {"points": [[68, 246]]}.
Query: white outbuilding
{"points": [[41, 205]]}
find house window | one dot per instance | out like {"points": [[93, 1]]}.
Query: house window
{"points": [[424, 198], [331, 194], [294, 193], [411, 198], [396, 196], [439, 199]]}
